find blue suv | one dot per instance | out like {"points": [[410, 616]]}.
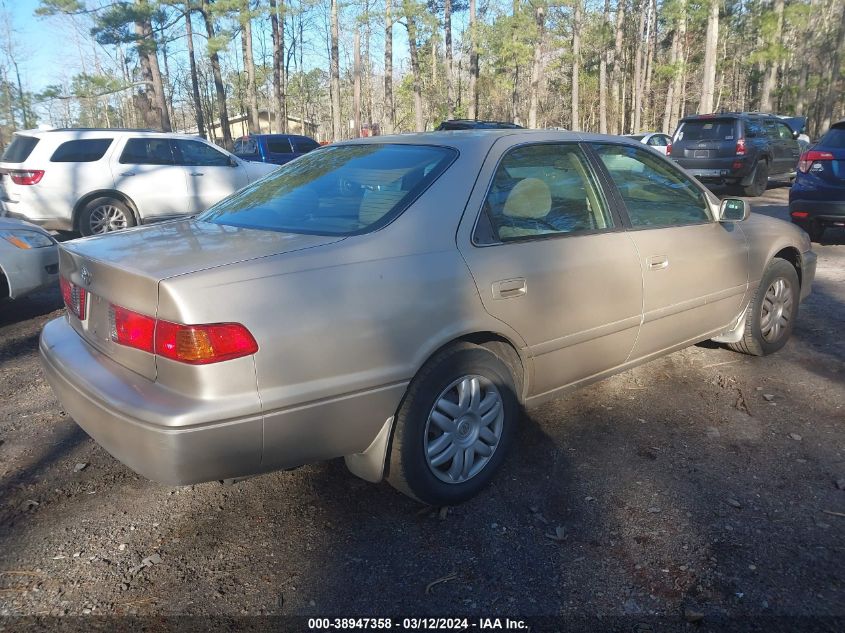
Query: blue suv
{"points": [[817, 198], [273, 148]]}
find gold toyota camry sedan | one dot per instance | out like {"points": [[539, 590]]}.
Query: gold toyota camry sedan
{"points": [[397, 301]]}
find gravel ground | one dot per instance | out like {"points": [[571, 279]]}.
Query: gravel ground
{"points": [[701, 484]]}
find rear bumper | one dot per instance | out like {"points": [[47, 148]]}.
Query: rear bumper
{"points": [[720, 170], [98, 394], [132, 418], [824, 210]]}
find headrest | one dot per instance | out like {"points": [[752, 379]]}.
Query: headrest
{"points": [[530, 199]]}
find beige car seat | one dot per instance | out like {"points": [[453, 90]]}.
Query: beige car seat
{"points": [[530, 199]]}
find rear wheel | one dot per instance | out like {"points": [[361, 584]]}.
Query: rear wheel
{"points": [[454, 426], [772, 312], [759, 180], [105, 215]]}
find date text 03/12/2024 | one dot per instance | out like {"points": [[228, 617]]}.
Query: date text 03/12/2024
{"points": [[416, 624]]}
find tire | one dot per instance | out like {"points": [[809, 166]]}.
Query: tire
{"points": [[759, 180], [427, 462], [762, 336], [104, 215]]}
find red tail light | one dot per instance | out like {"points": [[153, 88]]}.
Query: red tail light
{"points": [[669, 149], [800, 214], [74, 298], [740, 146], [26, 176], [192, 344], [810, 157], [132, 329]]}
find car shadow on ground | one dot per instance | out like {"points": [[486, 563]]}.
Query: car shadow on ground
{"points": [[31, 306]]}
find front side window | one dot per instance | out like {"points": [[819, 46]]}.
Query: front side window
{"points": [[147, 151], [542, 190], [246, 146], [197, 153], [338, 190], [654, 192], [81, 151]]}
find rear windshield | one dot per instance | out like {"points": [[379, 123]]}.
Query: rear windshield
{"points": [[835, 138], [337, 190], [19, 149], [707, 130]]}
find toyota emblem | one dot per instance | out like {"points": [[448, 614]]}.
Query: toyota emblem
{"points": [[86, 276]]}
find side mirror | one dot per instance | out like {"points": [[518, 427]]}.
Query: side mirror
{"points": [[734, 210], [795, 134]]}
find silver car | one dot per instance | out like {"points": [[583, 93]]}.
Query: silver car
{"points": [[396, 301], [29, 258]]}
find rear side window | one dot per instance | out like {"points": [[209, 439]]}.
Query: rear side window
{"points": [[654, 192], [147, 151], [19, 149], [303, 145], [835, 138], [707, 130], [81, 151], [279, 146], [338, 190], [542, 190]]}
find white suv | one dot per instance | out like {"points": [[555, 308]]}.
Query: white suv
{"points": [[95, 181]]}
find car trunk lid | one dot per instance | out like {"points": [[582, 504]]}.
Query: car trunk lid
{"points": [[706, 138], [125, 269]]}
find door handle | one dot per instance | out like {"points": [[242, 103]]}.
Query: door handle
{"points": [[509, 288], [127, 173], [658, 262], [196, 173]]}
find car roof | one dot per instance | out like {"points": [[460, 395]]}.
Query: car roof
{"points": [[83, 133], [480, 138]]}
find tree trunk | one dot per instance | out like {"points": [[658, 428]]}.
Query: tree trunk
{"points": [[603, 59], [249, 66], [356, 83], [833, 78], [219, 87], [537, 65], [576, 65], [473, 63], [389, 118], [616, 72], [195, 87], [335, 75], [639, 59], [148, 57], [277, 27], [411, 25], [447, 32], [771, 75], [711, 41]]}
